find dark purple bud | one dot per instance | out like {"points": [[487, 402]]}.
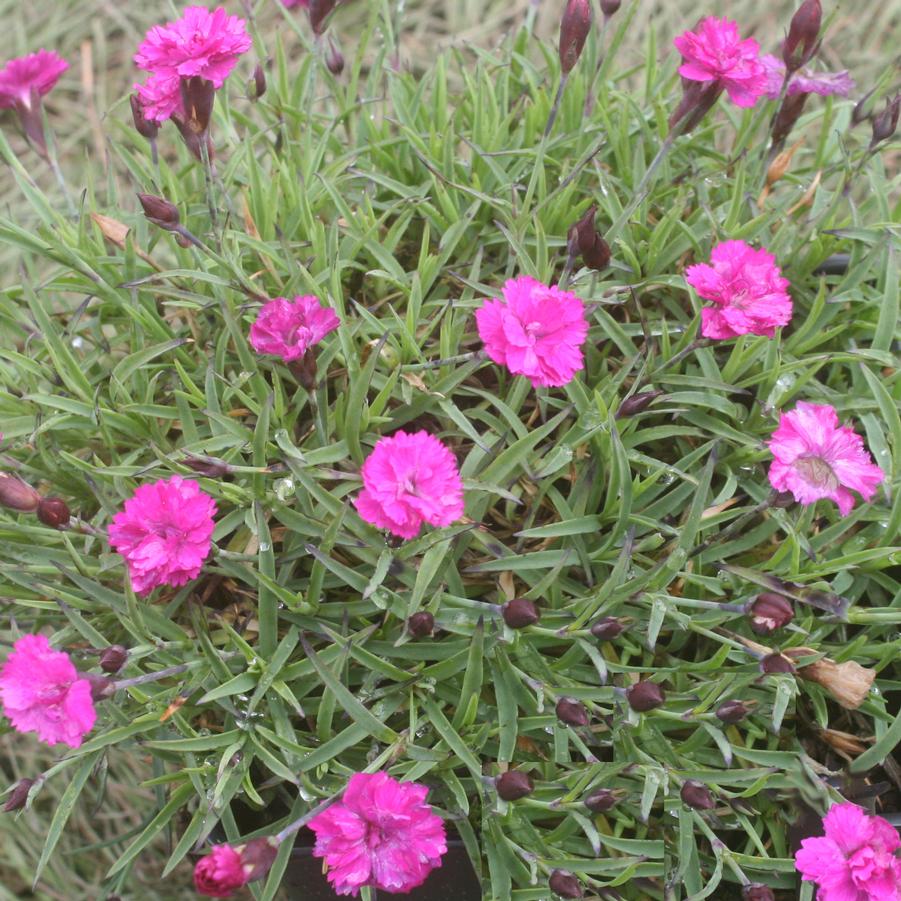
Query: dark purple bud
{"points": [[257, 857], [572, 712], [519, 613], [421, 624], [607, 628], [886, 123], [801, 43], [334, 59], [211, 467], [113, 658], [776, 663], [757, 891], [610, 7], [320, 10], [513, 785], [304, 370], [788, 115], [697, 100], [574, 30], [696, 795], [768, 612], [645, 696], [601, 800], [565, 885], [159, 211], [101, 687], [16, 799], [17, 495], [145, 127], [637, 403], [258, 84], [54, 512], [732, 711], [584, 240]]}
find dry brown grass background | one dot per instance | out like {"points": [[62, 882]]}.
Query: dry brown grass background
{"points": [[98, 37]]}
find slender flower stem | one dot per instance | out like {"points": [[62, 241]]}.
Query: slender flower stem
{"points": [[564, 78], [61, 181], [208, 178], [311, 814], [164, 673]]}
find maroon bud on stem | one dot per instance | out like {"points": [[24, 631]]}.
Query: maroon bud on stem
{"points": [[645, 696], [768, 612], [513, 785], [610, 7], [159, 211], [886, 123], [572, 712], [601, 800], [320, 10], [197, 97], [696, 795], [607, 628], [334, 58], [211, 467], [519, 613], [732, 711], [258, 84], [145, 127], [17, 495], [421, 624], [574, 28], [757, 891], [801, 43], [16, 799], [787, 117], [584, 240], [113, 658], [637, 403], [565, 885], [257, 857], [697, 100], [101, 687], [776, 663], [54, 512]]}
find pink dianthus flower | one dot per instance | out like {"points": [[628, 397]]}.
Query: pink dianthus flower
{"points": [[219, 873], [42, 692], [200, 44], [536, 331], [804, 81], [747, 289], [164, 533], [287, 328], [856, 860], [37, 72], [716, 54], [380, 834], [409, 479], [814, 457]]}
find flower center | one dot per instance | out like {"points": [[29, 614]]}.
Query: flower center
{"points": [[53, 695], [817, 471]]}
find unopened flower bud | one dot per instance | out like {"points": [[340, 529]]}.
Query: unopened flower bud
{"points": [[159, 211], [607, 628], [696, 795], [16, 799], [257, 857], [732, 711], [886, 123], [145, 127], [565, 885], [113, 658], [637, 403], [610, 7], [584, 240], [776, 663], [211, 467], [519, 613], [258, 82], [17, 495], [574, 30], [54, 512], [645, 696], [572, 712], [229, 867], [320, 10], [801, 43], [768, 612], [101, 686], [601, 800], [421, 624], [334, 59], [788, 115], [757, 891], [513, 785]]}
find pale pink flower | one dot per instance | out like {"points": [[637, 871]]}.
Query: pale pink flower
{"points": [[380, 834], [164, 533], [814, 457], [42, 692], [715, 53], [200, 44], [856, 860], [36, 72], [287, 328], [747, 290], [805, 81], [409, 480], [536, 331]]}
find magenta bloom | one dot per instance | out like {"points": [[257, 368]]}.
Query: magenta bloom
{"points": [[409, 480], [287, 328], [200, 44], [814, 457], [804, 81], [747, 290], [164, 533], [42, 692], [856, 860], [716, 54], [380, 834], [302, 4], [536, 331], [37, 72], [219, 873]]}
